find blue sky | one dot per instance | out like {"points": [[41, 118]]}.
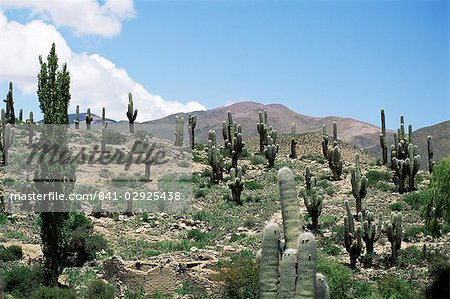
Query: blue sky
{"points": [[344, 58]]}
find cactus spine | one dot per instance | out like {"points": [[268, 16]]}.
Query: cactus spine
{"points": [[192, 122], [430, 154], [383, 141], [334, 161], [352, 237], [131, 112], [293, 154], [290, 209], [179, 130], [371, 232], [236, 184], [359, 184], [394, 232], [89, 119], [313, 200], [77, 118]]}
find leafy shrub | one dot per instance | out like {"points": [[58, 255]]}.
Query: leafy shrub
{"points": [[394, 287], [410, 256], [253, 185], [257, 159], [331, 249], [437, 205], [189, 289], [98, 289], [3, 218], [439, 271], [415, 199], [54, 293], [412, 231], [11, 253], [199, 146], [240, 276], [396, 206], [197, 235], [135, 294], [375, 176], [20, 281], [115, 137], [201, 192]]}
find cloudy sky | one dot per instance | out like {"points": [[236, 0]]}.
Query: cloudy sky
{"points": [[345, 58]]}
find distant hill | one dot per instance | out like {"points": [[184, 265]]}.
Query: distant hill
{"points": [[441, 141]]}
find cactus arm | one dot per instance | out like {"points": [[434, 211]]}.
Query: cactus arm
{"points": [[269, 262]]}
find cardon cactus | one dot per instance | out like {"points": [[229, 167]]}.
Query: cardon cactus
{"points": [[270, 152], [430, 154], [103, 143], [309, 179], [313, 200], [131, 112], [293, 153], [237, 146], [76, 121], [352, 237], [89, 119], [334, 161], [263, 130], [412, 165], [8, 138], [10, 115], [371, 232], [215, 160], [212, 137], [229, 129], [236, 184], [179, 130], [20, 116], [401, 172], [334, 131], [325, 140], [103, 117], [394, 232], [359, 184], [290, 209], [192, 122], [295, 276], [30, 122], [383, 141]]}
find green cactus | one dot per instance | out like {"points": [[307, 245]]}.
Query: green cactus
{"points": [[179, 130], [313, 200], [288, 273], [30, 118], [325, 140], [383, 141], [309, 179], [290, 209], [263, 130], [269, 262], [103, 144], [334, 131], [394, 233], [237, 146], [30, 122], [8, 138], [334, 161], [9, 112], [270, 152], [192, 122], [236, 184], [131, 112], [352, 238], [89, 119], [20, 116], [371, 232], [431, 162], [215, 160], [293, 153], [103, 118], [401, 172], [77, 118], [412, 166], [212, 137], [359, 184], [410, 135]]}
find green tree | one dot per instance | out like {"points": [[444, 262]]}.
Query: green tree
{"points": [[54, 97]]}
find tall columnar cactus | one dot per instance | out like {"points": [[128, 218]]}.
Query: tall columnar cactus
{"points": [[30, 118], [359, 184], [89, 119], [103, 144], [334, 161], [371, 232], [352, 238], [383, 140], [9, 113], [325, 140], [430, 154], [103, 118], [77, 118], [412, 165], [212, 137], [394, 232], [263, 130], [131, 112], [270, 152], [310, 180], [293, 153], [237, 146], [215, 160], [20, 116], [228, 131], [334, 131], [401, 172], [290, 209], [410, 133], [8, 137], [30, 122], [192, 122], [236, 184], [179, 130], [313, 200], [269, 262]]}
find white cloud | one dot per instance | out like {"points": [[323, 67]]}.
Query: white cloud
{"points": [[96, 82], [82, 16]]}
